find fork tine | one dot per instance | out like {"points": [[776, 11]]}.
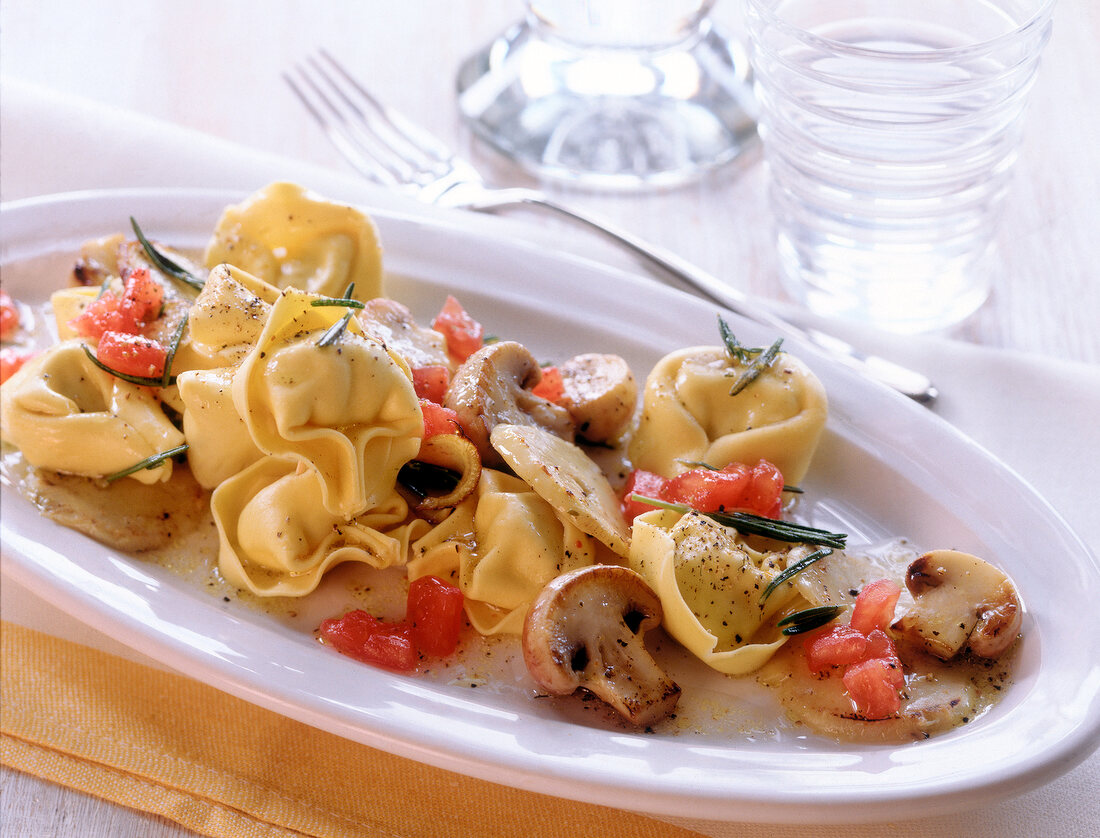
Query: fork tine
{"points": [[417, 142], [363, 155]]}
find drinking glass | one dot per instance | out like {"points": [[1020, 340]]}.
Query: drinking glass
{"points": [[615, 94], [890, 130]]}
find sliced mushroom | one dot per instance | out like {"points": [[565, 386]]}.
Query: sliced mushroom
{"points": [[394, 325], [458, 457], [492, 387], [960, 602], [566, 478], [600, 395], [585, 630], [98, 260]]}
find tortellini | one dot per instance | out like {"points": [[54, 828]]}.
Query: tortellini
{"points": [[689, 416], [501, 545], [276, 540], [227, 318], [66, 414], [219, 444], [290, 238], [349, 409], [710, 583]]}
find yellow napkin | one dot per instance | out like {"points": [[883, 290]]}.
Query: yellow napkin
{"points": [[169, 745]]}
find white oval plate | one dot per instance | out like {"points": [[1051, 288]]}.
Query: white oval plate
{"points": [[886, 467]]}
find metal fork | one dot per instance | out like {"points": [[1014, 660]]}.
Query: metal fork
{"points": [[388, 149]]}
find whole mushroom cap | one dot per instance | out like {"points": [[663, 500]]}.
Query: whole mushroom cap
{"points": [[960, 602], [493, 387], [585, 630]]}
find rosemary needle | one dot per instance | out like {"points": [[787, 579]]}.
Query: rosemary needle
{"points": [[794, 570], [334, 332], [758, 525], [148, 462], [163, 263], [809, 619], [758, 364]]}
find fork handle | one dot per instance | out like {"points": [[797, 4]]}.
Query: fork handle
{"points": [[906, 381]]}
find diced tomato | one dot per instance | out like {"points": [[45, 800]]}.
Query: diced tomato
{"points": [[765, 492], [11, 359], [551, 386], [435, 614], [872, 686], [711, 491], [873, 674], [838, 646], [431, 382], [98, 317], [875, 605], [9, 316], [142, 297], [434, 617], [364, 637], [880, 646], [140, 304], [735, 488], [132, 354], [644, 483], [438, 419], [464, 335]]}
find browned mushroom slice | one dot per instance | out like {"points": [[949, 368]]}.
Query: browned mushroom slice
{"points": [[563, 475], [586, 630], [960, 602], [393, 324], [458, 457], [600, 395], [98, 260], [493, 387]]}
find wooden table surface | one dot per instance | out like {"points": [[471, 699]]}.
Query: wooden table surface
{"points": [[215, 66]]}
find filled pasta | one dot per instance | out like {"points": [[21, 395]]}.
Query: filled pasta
{"points": [[292, 239], [710, 583], [277, 539], [690, 416], [502, 545], [348, 410], [65, 413]]}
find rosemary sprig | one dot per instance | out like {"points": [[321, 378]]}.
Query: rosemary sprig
{"points": [[734, 347], [809, 619], [759, 525], [794, 570], [756, 359], [345, 301], [699, 464], [758, 364], [173, 347], [163, 263], [144, 380], [148, 462], [336, 330]]}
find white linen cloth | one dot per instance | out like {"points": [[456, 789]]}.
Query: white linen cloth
{"points": [[1006, 401]]}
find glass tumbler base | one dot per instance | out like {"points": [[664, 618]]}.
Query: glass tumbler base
{"points": [[610, 117]]}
